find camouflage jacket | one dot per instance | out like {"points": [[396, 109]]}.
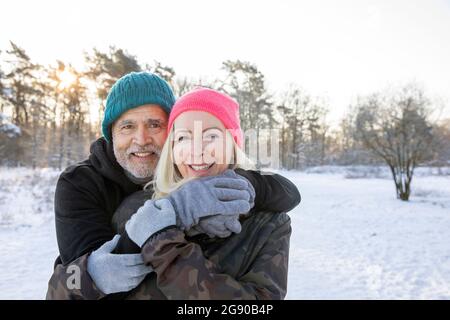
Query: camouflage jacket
{"points": [[250, 265]]}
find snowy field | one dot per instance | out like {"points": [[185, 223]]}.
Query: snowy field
{"points": [[351, 238]]}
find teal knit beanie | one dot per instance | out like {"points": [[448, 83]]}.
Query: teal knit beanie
{"points": [[133, 90]]}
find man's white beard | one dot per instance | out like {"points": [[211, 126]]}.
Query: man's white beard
{"points": [[139, 171]]}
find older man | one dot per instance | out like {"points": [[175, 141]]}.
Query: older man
{"points": [[120, 164]]}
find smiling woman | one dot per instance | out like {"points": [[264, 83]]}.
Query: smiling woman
{"points": [[204, 139], [202, 153], [246, 257]]}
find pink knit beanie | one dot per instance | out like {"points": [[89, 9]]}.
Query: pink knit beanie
{"points": [[220, 105]]}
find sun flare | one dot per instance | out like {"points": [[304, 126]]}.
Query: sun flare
{"points": [[66, 79]]}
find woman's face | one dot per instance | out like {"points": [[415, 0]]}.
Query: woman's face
{"points": [[201, 146]]}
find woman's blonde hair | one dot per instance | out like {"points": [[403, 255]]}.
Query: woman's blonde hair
{"points": [[167, 178]]}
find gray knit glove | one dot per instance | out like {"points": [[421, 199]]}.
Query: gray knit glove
{"points": [[223, 226], [227, 194], [152, 217], [116, 272], [219, 226], [250, 188]]}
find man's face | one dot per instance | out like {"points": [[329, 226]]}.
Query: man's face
{"points": [[138, 136]]}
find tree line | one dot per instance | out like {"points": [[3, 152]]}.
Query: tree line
{"points": [[47, 120]]}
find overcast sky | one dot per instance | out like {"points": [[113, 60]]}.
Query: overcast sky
{"points": [[337, 49]]}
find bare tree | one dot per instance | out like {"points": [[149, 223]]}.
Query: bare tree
{"points": [[348, 149], [396, 127], [182, 85], [303, 129]]}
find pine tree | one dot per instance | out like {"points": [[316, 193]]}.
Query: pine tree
{"points": [[104, 69], [19, 83], [25, 95]]}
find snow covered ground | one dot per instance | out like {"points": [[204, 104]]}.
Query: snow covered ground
{"points": [[27, 232], [351, 238]]}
